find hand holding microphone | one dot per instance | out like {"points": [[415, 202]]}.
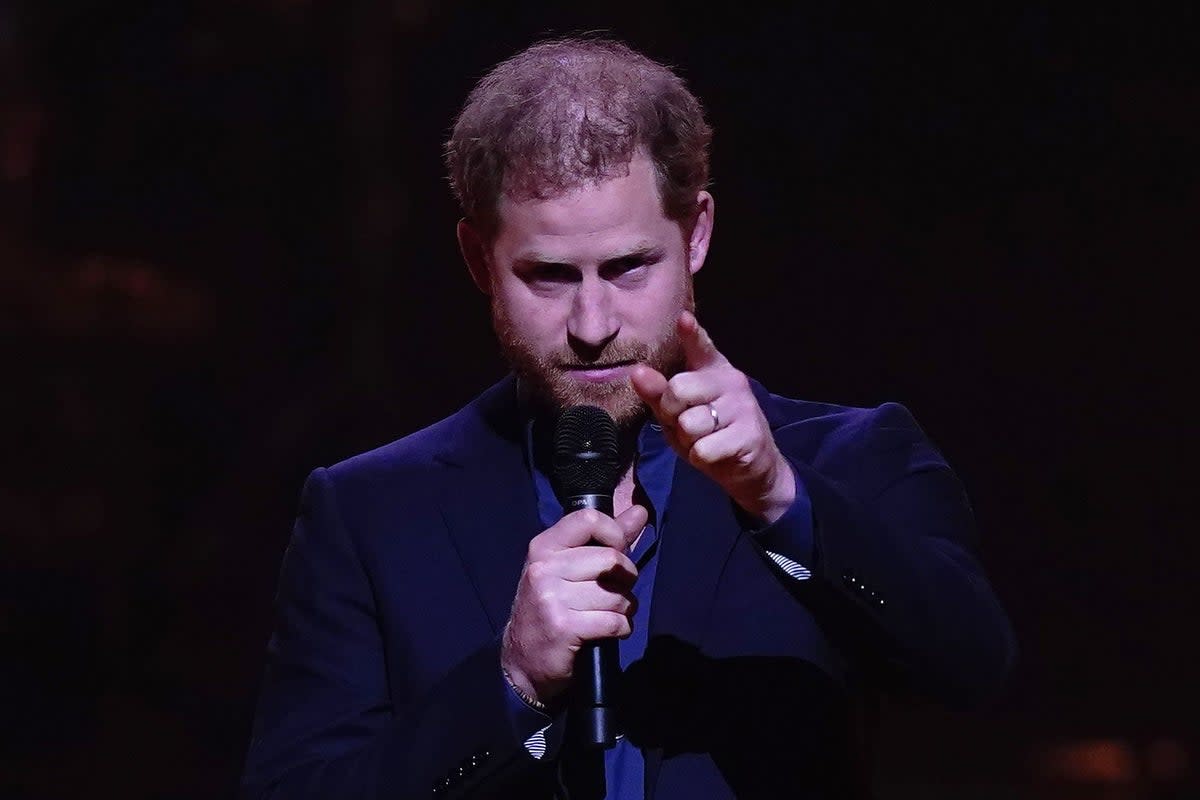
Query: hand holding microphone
{"points": [[574, 598]]}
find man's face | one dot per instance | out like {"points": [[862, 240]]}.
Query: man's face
{"points": [[586, 284]]}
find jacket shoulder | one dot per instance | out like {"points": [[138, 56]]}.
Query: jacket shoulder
{"points": [[478, 420], [782, 411], [813, 429], [416, 450]]}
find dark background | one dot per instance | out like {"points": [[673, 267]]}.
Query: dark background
{"points": [[227, 257]]}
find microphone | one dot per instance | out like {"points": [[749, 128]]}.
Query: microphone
{"points": [[586, 472]]}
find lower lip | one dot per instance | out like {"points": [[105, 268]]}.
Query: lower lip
{"points": [[601, 375]]}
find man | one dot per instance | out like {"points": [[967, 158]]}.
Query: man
{"points": [[771, 565]]}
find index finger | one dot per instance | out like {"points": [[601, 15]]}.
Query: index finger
{"points": [[649, 384], [579, 528], [698, 347]]}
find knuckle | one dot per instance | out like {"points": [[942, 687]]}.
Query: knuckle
{"points": [[535, 549], [613, 535], [612, 560], [545, 597], [673, 396], [556, 623], [536, 571]]}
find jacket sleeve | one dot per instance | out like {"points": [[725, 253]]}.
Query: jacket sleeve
{"points": [[326, 724], [889, 537]]}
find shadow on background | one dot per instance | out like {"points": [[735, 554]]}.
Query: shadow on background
{"points": [[227, 256]]}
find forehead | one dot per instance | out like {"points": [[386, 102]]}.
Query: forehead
{"points": [[595, 218]]}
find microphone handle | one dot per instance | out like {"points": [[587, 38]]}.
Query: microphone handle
{"points": [[592, 718]]}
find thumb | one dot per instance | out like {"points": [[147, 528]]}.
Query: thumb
{"points": [[632, 520]]}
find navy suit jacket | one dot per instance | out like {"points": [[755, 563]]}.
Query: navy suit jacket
{"points": [[383, 677]]}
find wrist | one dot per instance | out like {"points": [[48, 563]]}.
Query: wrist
{"points": [[779, 496], [518, 680], [522, 690]]}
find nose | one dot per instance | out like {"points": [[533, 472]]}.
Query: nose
{"points": [[592, 323]]}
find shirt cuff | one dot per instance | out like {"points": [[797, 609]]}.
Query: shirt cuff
{"points": [[790, 537], [533, 727]]}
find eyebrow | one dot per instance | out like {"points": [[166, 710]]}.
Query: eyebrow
{"points": [[641, 252]]}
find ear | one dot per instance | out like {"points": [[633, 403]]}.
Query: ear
{"points": [[474, 253], [702, 227]]}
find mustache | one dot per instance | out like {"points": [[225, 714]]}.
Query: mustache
{"points": [[624, 353]]}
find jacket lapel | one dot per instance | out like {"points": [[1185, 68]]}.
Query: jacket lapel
{"points": [[699, 533], [487, 497]]}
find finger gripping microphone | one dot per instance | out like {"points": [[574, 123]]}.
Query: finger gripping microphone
{"points": [[586, 472]]}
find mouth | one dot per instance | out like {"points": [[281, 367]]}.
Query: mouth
{"points": [[600, 372]]}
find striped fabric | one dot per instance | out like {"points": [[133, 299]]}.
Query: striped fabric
{"points": [[797, 571], [536, 744]]}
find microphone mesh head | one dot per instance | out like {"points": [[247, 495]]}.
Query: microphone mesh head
{"points": [[585, 452]]}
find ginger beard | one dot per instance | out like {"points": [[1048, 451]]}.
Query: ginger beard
{"points": [[548, 378]]}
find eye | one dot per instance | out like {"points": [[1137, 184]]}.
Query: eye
{"points": [[627, 266], [551, 274]]}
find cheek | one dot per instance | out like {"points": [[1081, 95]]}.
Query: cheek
{"points": [[536, 320], [656, 311]]}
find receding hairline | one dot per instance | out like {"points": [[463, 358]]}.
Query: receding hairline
{"points": [[572, 111]]}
